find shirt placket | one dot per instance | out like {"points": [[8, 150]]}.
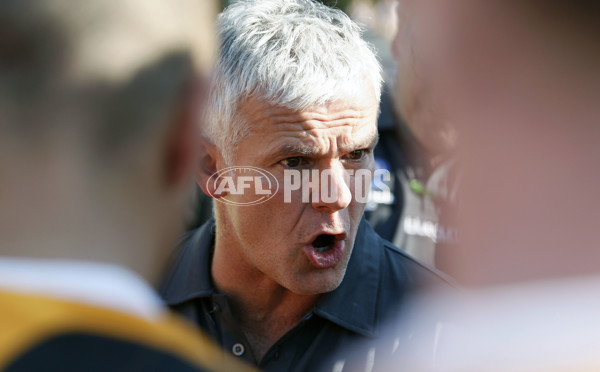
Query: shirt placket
{"points": [[230, 337]]}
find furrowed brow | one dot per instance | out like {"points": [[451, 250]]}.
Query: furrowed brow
{"points": [[367, 143], [290, 150], [372, 140]]}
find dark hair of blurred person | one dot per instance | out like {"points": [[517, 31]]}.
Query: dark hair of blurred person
{"points": [[97, 101]]}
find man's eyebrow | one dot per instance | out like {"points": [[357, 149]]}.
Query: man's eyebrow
{"points": [[367, 143], [298, 149], [290, 150], [371, 141]]}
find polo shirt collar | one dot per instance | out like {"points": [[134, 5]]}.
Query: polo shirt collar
{"points": [[353, 305], [190, 275]]}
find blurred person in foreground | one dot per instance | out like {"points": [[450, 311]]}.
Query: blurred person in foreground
{"points": [[418, 142], [414, 207], [285, 282], [96, 152], [522, 82]]}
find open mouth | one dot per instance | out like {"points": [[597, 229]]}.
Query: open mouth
{"points": [[326, 250], [323, 243]]}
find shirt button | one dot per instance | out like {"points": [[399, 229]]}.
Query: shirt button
{"points": [[238, 349], [276, 355]]}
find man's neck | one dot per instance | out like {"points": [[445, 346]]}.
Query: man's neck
{"points": [[264, 309]]}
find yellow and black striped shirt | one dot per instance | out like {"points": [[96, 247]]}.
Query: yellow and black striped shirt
{"points": [[47, 334]]}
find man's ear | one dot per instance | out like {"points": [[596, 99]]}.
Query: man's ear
{"points": [[206, 167]]}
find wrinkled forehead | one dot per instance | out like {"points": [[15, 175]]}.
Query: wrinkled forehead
{"points": [[278, 132], [261, 115]]}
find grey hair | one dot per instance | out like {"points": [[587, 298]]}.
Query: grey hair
{"points": [[292, 53]]}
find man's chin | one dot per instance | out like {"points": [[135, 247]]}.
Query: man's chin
{"points": [[318, 285]]}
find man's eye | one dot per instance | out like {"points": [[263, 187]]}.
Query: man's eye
{"points": [[356, 155], [293, 162]]}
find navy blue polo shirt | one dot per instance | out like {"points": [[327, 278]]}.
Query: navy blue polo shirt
{"points": [[378, 283]]}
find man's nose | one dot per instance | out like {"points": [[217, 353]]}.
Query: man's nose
{"points": [[334, 193]]}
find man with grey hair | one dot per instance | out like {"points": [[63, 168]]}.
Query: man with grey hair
{"points": [[285, 277], [96, 150]]}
